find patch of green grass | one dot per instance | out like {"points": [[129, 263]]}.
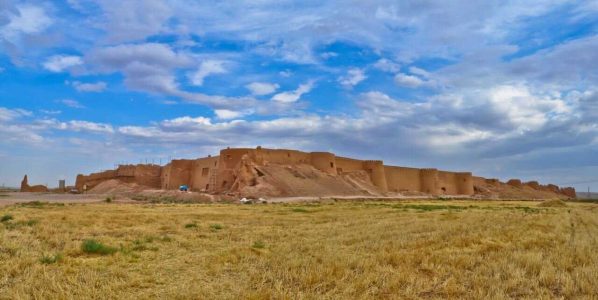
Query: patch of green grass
{"points": [[39, 204], [18, 224], [216, 226], [139, 198], [50, 259], [191, 225], [527, 209], [95, 247], [6, 218], [258, 245], [430, 207], [301, 210]]}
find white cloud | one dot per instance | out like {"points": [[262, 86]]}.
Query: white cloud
{"points": [[77, 125], [293, 96], [409, 81], [353, 77], [134, 20], [7, 114], [285, 73], [387, 65], [89, 87], [59, 63], [186, 121], [262, 88], [50, 112], [207, 68], [28, 19], [227, 114], [418, 71], [71, 103]]}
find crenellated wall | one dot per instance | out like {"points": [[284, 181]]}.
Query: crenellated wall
{"points": [[217, 174]]}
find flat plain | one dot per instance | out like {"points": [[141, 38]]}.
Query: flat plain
{"points": [[328, 250]]}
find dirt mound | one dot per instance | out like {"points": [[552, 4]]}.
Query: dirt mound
{"points": [[163, 196], [274, 180], [493, 189], [115, 186], [553, 203]]}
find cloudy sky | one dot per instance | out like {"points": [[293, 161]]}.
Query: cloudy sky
{"points": [[501, 88]]}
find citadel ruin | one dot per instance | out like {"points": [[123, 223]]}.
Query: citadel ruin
{"points": [[281, 172]]}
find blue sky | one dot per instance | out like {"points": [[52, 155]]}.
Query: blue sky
{"points": [[505, 89]]}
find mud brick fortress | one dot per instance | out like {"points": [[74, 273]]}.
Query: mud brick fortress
{"points": [[237, 169]]}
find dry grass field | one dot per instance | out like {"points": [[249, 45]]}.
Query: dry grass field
{"points": [[336, 250]]}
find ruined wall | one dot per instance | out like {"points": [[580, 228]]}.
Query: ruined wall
{"points": [[324, 161], [148, 175], [203, 172], [454, 183], [464, 182], [447, 183], [375, 169], [25, 187], [345, 164], [93, 179], [401, 179], [282, 156], [176, 173], [219, 173], [429, 181]]}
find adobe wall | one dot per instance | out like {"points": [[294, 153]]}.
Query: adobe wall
{"points": [[401, 179], [455, 183], [202, 170], [148, 175], [345, 164], [93, 179], [375, 169], [429, 181], [281, 156], [176, 173], [447, 183], [25, 187], [324, 161]]}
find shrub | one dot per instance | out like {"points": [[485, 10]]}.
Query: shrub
{"points": [[108, 199], [95, 247], [216, 226], [6, 218], [50, 259], [258, 245], [191, 225]]}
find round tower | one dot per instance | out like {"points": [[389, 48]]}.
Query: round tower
{"points": [[376, 170], [429, 181], [464, 183], [324, 161]]}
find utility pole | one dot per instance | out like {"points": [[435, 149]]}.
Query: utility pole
{"points": [[589, 192]]}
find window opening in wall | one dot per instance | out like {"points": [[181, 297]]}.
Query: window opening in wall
{"points": [[228, 156], [224, 183], [207, 187], [205, 171], [288, 154], [215, 163], [443, 189], [331, 164]]}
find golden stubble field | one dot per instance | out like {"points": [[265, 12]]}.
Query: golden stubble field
{"points": [[335, 250]]}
